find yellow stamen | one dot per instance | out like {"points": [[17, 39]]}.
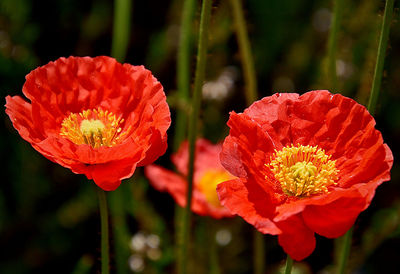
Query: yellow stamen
{"points": [[94, 127], [303, 171], [208, 184]]}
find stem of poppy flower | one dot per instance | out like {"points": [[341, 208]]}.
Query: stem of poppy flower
{"points": [[121, 29], [259, 252], [183, 69], [213, 248], [104, 231], [183, 81], [245, 52], [380, 59], [120, 41], [250, 79], [289, 264], [120, 228], [332, 44], [193, 125], [345, 251]]}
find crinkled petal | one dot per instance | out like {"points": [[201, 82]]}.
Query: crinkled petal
{"points": [[20, 113], [250, 202], [272, 114], [246, 151]]}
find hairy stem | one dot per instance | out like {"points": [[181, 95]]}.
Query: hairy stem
{"points": [[193, 125], [183, 69], [380, 59], [250, 77]]}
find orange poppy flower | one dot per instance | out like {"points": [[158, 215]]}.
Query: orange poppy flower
{"points": [[306, 164], [208, 172], [94, 116]]}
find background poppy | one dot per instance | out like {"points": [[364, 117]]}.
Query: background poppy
{"points": [[208, 173]]}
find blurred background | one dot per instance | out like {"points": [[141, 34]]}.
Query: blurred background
{"points": [[49, 219]]}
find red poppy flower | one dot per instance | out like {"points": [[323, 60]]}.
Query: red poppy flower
{"points": [[208, 172], [306, 164], [94, 116]]}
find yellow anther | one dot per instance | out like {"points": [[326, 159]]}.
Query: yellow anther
{"points": [[303, 170], [94, 127]]}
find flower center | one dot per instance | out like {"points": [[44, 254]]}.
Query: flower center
{"points": [[93, 127], [303, 170], [208, 184]]}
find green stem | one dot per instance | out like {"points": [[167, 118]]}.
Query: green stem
{"points": [[259, 252], [345, 251], [380, 59], [121, 29], [289, 264], [332, 44], [120, 41], [178, 218], [193, 125], [104, 231], [250, 77], [183, 69], [120, 229], [213, 248]]}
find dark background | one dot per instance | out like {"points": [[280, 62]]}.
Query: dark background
{"points": [[49, 220]]}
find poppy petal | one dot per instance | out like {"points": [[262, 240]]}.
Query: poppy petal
{"points": [[334, 219], [165, 180], [249, 203], [297, 239]]}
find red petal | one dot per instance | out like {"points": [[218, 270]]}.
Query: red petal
{"points": [[250, 202], [272, 114], [294, 206], [20, 113], [334, 219], [108, 176], [207, 156], [165, 180], [247, 149], [296, 239]]}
